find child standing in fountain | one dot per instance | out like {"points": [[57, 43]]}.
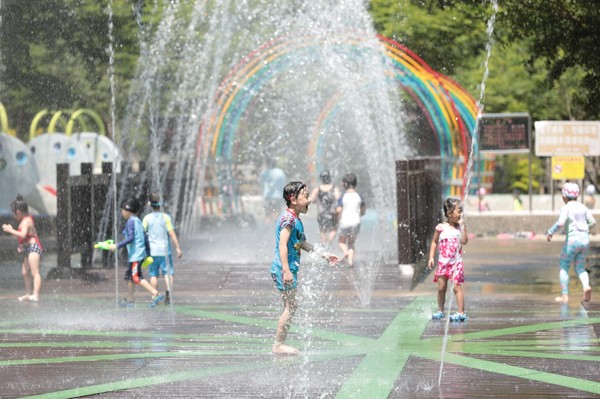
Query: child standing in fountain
{"points": [[30, 243], [577, 220], [450, 237], [289, 241], [136, 253]]}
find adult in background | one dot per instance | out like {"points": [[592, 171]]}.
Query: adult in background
{"points": [[589, 199], [272, 180], [517, 202], [482, 203], [326, 195]]}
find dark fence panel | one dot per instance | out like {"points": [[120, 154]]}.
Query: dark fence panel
{"points": [[419, 201], [85, 207]]}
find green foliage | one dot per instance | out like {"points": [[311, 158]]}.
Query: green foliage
{"points": [[512, 172], [446, 37], [565, 35], [55, 56], [544, 58]]}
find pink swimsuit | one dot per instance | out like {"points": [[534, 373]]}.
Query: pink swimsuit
{"points": [[450, 263]]}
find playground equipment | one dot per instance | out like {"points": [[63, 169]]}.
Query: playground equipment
{"points": [[50, 149], [3, 119], [30, 169], [18, 173], [98, 149], [58, 117]]}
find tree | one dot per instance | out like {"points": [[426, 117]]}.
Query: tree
{"points": [[565, 35], [447, 35], [55, 56]]}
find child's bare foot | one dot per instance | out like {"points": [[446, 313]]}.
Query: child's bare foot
{"points": [[562, 299], [587, 294], [282, 349]]}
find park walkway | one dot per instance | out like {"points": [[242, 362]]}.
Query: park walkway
{"points": [[363, 332]]}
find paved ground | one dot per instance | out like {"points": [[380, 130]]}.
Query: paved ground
{"points": [[363, 332]]}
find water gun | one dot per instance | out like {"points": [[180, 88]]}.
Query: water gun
{"points": [[148, 261], [105, 245]]}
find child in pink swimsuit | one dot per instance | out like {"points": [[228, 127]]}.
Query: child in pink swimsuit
{"points": [[449, 237]]}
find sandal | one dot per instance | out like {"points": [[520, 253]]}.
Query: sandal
{"points": [[437, 315], [458, 317]]}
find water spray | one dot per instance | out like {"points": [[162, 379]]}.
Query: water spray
{"points": [[113, 118], [469, 171]]}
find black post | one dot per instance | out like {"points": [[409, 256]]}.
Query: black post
{"points": [[86, 207], [403, 210], [103, 190], [63, 218]]}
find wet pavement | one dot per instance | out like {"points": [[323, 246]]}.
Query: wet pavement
{"points": [[363, 332]]}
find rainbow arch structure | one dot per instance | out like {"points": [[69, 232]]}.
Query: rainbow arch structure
{"points": [[450, 111]]}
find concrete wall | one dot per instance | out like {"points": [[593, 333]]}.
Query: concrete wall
{"points": [[501, 219], [504, 202], [494, 223]]}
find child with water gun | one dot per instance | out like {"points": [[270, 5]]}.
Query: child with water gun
{"points": [[136, 254]]}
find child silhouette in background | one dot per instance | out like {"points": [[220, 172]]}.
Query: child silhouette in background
{"points": [[449, 237], [577, 220], [136, 253], [30, 244], [326, 195], [350, 208], [161, 233]]}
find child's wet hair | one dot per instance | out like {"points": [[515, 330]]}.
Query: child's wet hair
{"points": [[19, 204], [350, 180], [292, 189], [154, 199], [325, 177], [132, 205], [451, 204]]}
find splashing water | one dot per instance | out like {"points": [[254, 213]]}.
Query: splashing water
{"points": [[469, 171], [236, 82], [112, 194], [486, 72]]}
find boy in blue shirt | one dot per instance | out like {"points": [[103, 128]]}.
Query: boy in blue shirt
{"points": [[289, 241], [136, 253]]}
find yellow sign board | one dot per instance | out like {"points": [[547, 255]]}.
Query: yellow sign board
{"points": [[568, 168]]}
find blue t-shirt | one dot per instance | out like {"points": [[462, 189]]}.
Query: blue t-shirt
{"points": [[297, 237], [158, 225], [134, 240]]}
